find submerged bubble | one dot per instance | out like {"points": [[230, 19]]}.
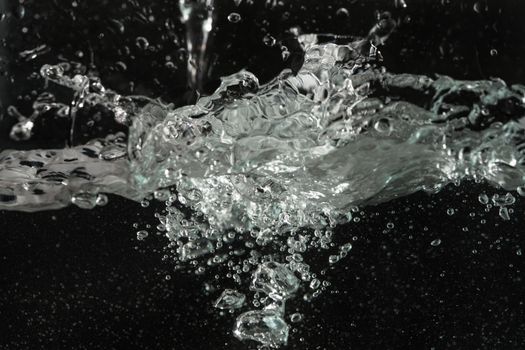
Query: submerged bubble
{"points": [[195, 249], [20, 11], [275, 280], [503, 201], [85, 200], [102, 200], [296, 317], [234, 17], [142, 235], [264, 326], [342, 12], [22, 131], [142, 43], [230, 299], [269, 40], [483, 198], [504, 213]]}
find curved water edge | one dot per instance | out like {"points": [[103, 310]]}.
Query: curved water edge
{"points": [[316, 136]]}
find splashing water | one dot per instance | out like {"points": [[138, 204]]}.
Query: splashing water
{"points": [[277, 165]]}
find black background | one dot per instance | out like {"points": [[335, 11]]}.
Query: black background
{"points": [[75, 279]]}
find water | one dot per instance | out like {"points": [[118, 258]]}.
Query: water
{"points": [[264, 172]]}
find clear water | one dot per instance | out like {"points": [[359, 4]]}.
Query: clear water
{"points": [[264, 172]]}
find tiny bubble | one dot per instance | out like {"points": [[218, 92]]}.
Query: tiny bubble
{"points": [[234, 17]]}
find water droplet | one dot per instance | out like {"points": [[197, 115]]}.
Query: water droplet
{"points": [[493, 52], [450, 211]]}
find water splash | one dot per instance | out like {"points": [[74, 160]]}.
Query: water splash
{"points": [[276, 166]]}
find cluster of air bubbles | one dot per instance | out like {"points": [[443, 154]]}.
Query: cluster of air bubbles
{"points": [[502, 203]]}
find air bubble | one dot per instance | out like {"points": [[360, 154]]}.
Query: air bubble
{"points": [[269, 40], [142, 235], [234, 17], [296, 317], [483, 198], [342, 13], [435, 242], [142, 43]]}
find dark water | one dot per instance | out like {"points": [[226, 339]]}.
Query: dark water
{"points": [[79, 279]]}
